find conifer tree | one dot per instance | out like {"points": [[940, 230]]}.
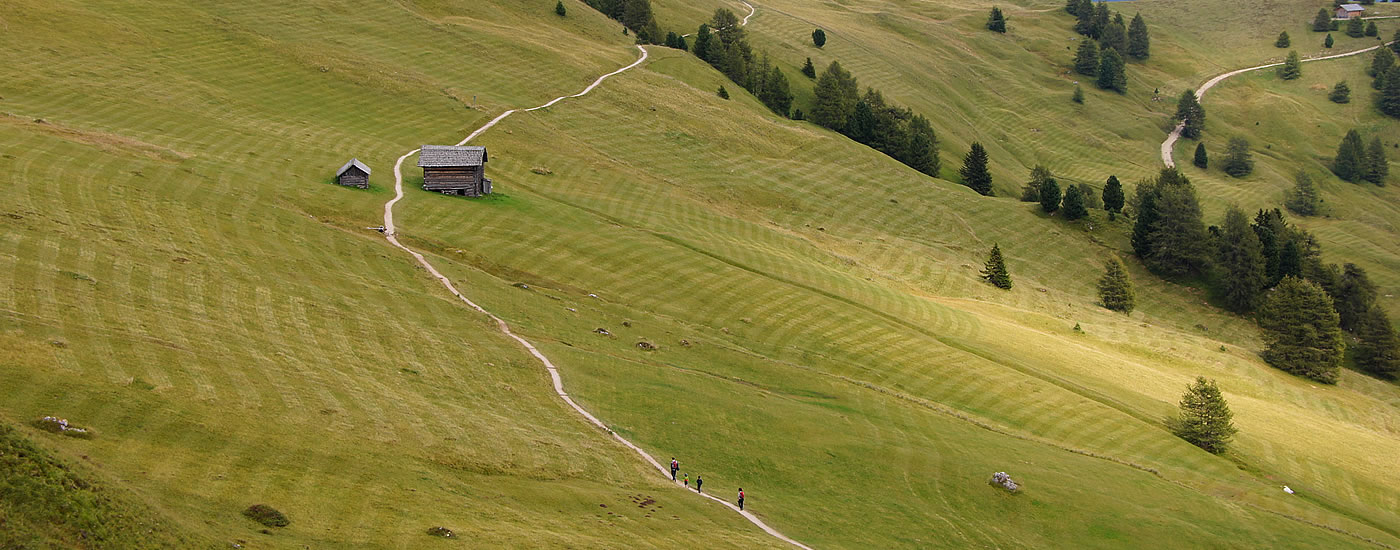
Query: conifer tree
{"points": [[922, 150], [1240, 260], [1177, 236], [1145, 215], [808, 69], [1115, 288], [1377, 349], [995, 270], [1328, 42], [1205, 419], [819, 38], [1139, 44], [723, 93], [1303, 199], [1283, 40], [1301, 330], [1111, 71], [559, 9], [1355, 28], [1350, 162], [1190, 111], [1341, 93], [1381, 62], [1072, 7], [1113, 195], [1073, 207], [1371, 29], [775, 92], [1100, 20], [703, 40], [974, 170], [1201, 160], [1238, 161], [1049, 196], [1115, 35], [1030, 192], [1377, 167], [1389, 99], [1292, 68], [1078, 96], [1354, 295], [1086, 59], [837, 94], [1323, 21], [996, 22]]}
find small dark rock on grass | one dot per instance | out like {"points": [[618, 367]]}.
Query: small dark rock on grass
{"points": [[442, 532], [266, 515]]}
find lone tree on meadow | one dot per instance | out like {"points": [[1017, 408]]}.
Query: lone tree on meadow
{"points": [[1350, 162], [1086, 59], [1328, 42], [722, 93], [1200, 159], [1341, 93], [974, 170], [819, 38], [808, 70], [1377, 167], [1355, 28], [1377, 349], [995, 270], [1190, 111], [1323, 21], [1112, 74], [1292, 68], [1073, 207], [559, 9], [1139, 44], [1302, 330], [1205, 419], [1283, 41], [1240, 261], [1078, 96], [1371, 29], [996, 22], [1049, 196], [1303, 199], [1238, 161], [1113, 196], [1115, 288]]}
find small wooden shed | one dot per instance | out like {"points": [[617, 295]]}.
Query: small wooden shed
{"points": [[353, 174], [1350, 11], [455, 170]]}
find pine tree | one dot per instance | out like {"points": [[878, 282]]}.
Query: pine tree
{"points": [[1049, 196], [922, 149], [1240, 260], [1111, 71], [1205, 419], [1030, 192], [1291, 68], [1238, 161], [1350, 162], [1323, 21], [1190, 111], [723, 93], [1371, 29], [1341, 93], [808, 69], [1115, 288], [1301, 330], [1145, 215], [974, 170], [837, 94], [1201, 160], [1283, 41], [1073, 207], [996, 22], [1377, 349], [1355, 28], [1086, 59], [1078, 96], [1389, 99], [995, 270], [1177, 236], [1115, 35], [1100, 21], [1354, 295], [1381, 63], [1139, 44], [559, 9], [775, 92], [703, 40], [1072, 7], [1377, 167], [819, 38], [1328, 42], [1084, 17], [1113, 195], [1303, 199]]}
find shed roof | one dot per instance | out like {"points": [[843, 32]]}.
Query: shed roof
{"points": [[451, 155], [1352, 7], [353, 162]]}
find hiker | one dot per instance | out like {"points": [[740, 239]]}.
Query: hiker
{"points": [[685, 480], [741, 499], [698, 482], [674, 466]]}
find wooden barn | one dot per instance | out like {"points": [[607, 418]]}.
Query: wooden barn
{"points": [[1350, 11], [455, 170], [353, 174]]}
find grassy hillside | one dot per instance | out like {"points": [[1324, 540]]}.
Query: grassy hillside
{"points": [[179, 274]]}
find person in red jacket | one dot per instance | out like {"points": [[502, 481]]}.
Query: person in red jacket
{"points": [[741, 498]]}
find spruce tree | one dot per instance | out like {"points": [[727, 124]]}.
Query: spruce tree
{"points": [[1292, 68], [1323, 21], [1389, 99], [1283, 41], [1115, 35], [775, 92], [1238, 161], [1205, 419], [1354, 295], [1111, 71], [996, 22], [1115, 288], [1072, 7], [722, 93], [974, 170], [1341, 93], [1113, 195], [1073, 207], [1303, 199], [1078, 96], [1049, 196], [819, 38], [1145, 215], [1301, 330], [1377, 167], [1084, 17], [1377, 350], [1371, 29], [921, 152], [1139, 44], [1328, 42], [1240, 261], [837, 94], [1100, 21], [1086, 59], [1201, 160], [1177, 236], [808, 70], [559, 9], [703, 43], [1030, 192], [995, 270], [1381, 62], [1355, 28], [1350, 162], [1189, 110]]}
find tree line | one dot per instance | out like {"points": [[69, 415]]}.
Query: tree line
{"points": [[869, 119], [723, 44], [635, 15]]}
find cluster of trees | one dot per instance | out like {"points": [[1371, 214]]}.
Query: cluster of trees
{"points": [[1074, 201], [1355, 162], [1385, 73], [1101, 55], [722, 44], [635, 15], [867, 118]]}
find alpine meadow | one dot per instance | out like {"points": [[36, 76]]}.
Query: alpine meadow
{"points": [[878, 273]]}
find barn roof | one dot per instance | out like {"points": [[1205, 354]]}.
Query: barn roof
{"points": [[353, 162], [451, 155], [1352, 7]]}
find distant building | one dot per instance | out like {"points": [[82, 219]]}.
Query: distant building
{"points": [[353, 174], [455, 170], [1350, 11]]}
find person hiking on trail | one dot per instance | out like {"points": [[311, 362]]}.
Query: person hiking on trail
{"points": [[685, 480], [698, 482], [674, 466], [741, 499]]}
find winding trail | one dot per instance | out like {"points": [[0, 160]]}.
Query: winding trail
{"points": [[752, 10], [391, 234], [1201, 92]]}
